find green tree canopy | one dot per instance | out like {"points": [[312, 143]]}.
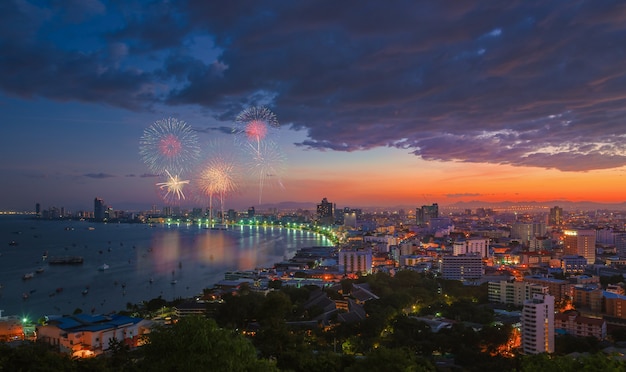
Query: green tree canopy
{"points": [[195, 344]]}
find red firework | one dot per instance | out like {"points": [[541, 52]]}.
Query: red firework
{"points": [[170, 145], [256, 130]]}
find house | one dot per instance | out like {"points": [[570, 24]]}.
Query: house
{"points": [[84, 335]]}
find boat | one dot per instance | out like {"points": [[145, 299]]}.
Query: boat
{"points": [[44, 256], [39, 270], [28, 276], [173, 282], [85, 291], [25, 296], [103, 267], [66, 260], [13, 243]]}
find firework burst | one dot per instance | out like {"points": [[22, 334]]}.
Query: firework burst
{"points": [[219, 176], [169, 144], [172, 188], [254, 124]]}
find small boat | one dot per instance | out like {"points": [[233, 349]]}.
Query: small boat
{"points": [[25, 296], [44, 256], [39, 270], [28, 276], [103, 267], [85, 291], [151, 280], [13, 243], [173, 282], [59, 290]]}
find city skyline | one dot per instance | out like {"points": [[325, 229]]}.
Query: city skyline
{"points": [[410, 103]]}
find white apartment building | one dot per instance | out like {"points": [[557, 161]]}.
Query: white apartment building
{"points": [[538, 325], [472, 245]]}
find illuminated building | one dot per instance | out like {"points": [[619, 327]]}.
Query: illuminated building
{"points": [[84, 335], [571, 322], [557, 288], [580, 243], [355, 261], [615, 305], [325, 212], [573, 264], [514, 293], [555, 218], [472, 245], [98, 209], [425, 213], [538, 325], [462, 267]]}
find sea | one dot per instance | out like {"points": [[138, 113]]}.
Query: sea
{"points": [[126, 263]]}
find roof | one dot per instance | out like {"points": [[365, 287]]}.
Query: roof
{"points": [[92, 323]]}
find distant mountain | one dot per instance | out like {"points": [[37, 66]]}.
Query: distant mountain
{"points": [[565, 204]]}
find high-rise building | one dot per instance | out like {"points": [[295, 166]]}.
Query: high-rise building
{"points": [[620, 244], [580, 243], [527, 231], [425, 213], [325, 212], [538, 324], [98, 209], [555, 218]]}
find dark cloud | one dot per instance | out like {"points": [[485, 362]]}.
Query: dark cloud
{"points": [[220, 129], [525, 83], [99, 175]]}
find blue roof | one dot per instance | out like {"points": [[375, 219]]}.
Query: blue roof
{"points": [[91, 323]]}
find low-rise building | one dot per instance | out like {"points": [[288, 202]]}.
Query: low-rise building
{"points": [[462, 267], [84, 335], [571, 322], [514, 293]]}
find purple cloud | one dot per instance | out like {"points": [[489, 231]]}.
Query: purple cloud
{"points": [[526, 83]]}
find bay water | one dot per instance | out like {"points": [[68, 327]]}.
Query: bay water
{"points": [[127, 263]]}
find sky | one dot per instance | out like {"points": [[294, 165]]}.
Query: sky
{"points": [[378, 103]]}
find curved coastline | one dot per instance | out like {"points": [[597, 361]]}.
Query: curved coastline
{"points": [[167, 260]]}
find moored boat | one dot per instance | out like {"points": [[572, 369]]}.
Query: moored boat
{"points": [[66, 260], [28, 276], [103, 267]]}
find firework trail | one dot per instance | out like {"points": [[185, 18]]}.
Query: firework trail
{"points": [[254, 125], [169, 145], [266, 165]]}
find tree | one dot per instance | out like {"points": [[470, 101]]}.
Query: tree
{"points": [[196, 343]]}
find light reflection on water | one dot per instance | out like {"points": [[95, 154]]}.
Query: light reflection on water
{"points": [[143, 261]]}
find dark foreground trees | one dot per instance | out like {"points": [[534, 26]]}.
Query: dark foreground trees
{"points": [[194, 344]]}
